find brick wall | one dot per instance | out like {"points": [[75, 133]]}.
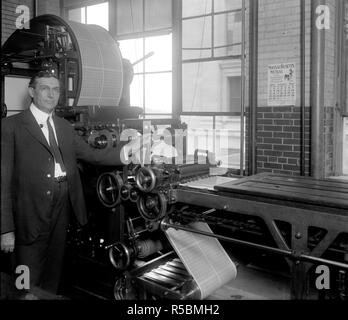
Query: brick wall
{"points": [[330, 98], [279, 127], [278, 141], [279, 41], [328, 123]]}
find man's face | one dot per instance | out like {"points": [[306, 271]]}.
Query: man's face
{"points": [[45, 94]]}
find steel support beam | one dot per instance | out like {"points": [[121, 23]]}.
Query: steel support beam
{"points": [[317, 92]]}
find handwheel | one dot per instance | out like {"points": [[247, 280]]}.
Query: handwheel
{"points": [[121, 256], [145, 179], [108, 189]]}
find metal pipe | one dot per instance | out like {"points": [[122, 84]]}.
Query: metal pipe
{"points": [[339, 89], [150, 54], [285, 253], [242, 109], [253, 77], [303, 84], [317, 93], [323, 261], [177, 59]]}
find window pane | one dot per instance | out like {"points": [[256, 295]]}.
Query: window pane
{"points": [[234, 93], [16, 93], [133, 51], [137, 92], [78, 15], [158, 93], [201, 87], [223, 141], [207, 88], [227, 141], [227, 31], [99, 14], [158, 14], [161, 60], [199, 134], [195, 7], [129, 16], [224, 5], [196, 38], [345, 146]]}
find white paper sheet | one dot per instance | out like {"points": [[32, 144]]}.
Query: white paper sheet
{"points": [[204, 258]]}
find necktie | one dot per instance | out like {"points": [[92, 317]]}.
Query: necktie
{"points": [[54, 146]]}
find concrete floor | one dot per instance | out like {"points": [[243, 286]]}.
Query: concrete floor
{"points": [[252, 284]]}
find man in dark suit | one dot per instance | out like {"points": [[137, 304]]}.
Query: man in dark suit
{"points": [[40, 182]]}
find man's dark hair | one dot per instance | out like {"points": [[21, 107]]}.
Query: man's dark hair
{"points": [[42, 74]]}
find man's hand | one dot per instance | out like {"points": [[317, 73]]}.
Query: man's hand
{"points": [[7, 242]]}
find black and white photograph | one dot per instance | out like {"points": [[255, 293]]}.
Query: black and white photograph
{"points": [[178, 156]]}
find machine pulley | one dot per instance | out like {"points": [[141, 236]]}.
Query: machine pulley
{"points": [[152, 206]]}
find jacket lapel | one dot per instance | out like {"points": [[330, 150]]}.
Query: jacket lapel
{"points": [[31, 125]]}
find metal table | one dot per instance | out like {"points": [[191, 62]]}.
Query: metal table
{"points": [[302, 202]]}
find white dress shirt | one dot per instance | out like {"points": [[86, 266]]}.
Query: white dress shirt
{"points": [[41, 119]]}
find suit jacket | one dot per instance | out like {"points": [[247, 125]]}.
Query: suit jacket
{"points": [[27, 173]]}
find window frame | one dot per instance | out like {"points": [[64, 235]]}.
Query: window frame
{"points": [[344, 87], [143, 73], [136, 35], [341, 114], [143, 35], [179, 61], [84, 4]]}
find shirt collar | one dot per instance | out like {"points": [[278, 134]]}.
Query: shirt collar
{"points": [[40, 116]]}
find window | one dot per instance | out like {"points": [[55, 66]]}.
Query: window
{"points": [[151, 88], [95, 14], [144, 32], [16, 94], [143, 29], [139, 17], [218, 134], [212, 79]]}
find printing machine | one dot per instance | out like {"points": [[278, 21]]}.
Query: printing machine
{"points": [[276, 224], [290, 224]]}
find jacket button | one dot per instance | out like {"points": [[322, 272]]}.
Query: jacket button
{"points": [[48, 192], [48, 176]]}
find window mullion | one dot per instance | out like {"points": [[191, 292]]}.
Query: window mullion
{"points": [[212, 28]]}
